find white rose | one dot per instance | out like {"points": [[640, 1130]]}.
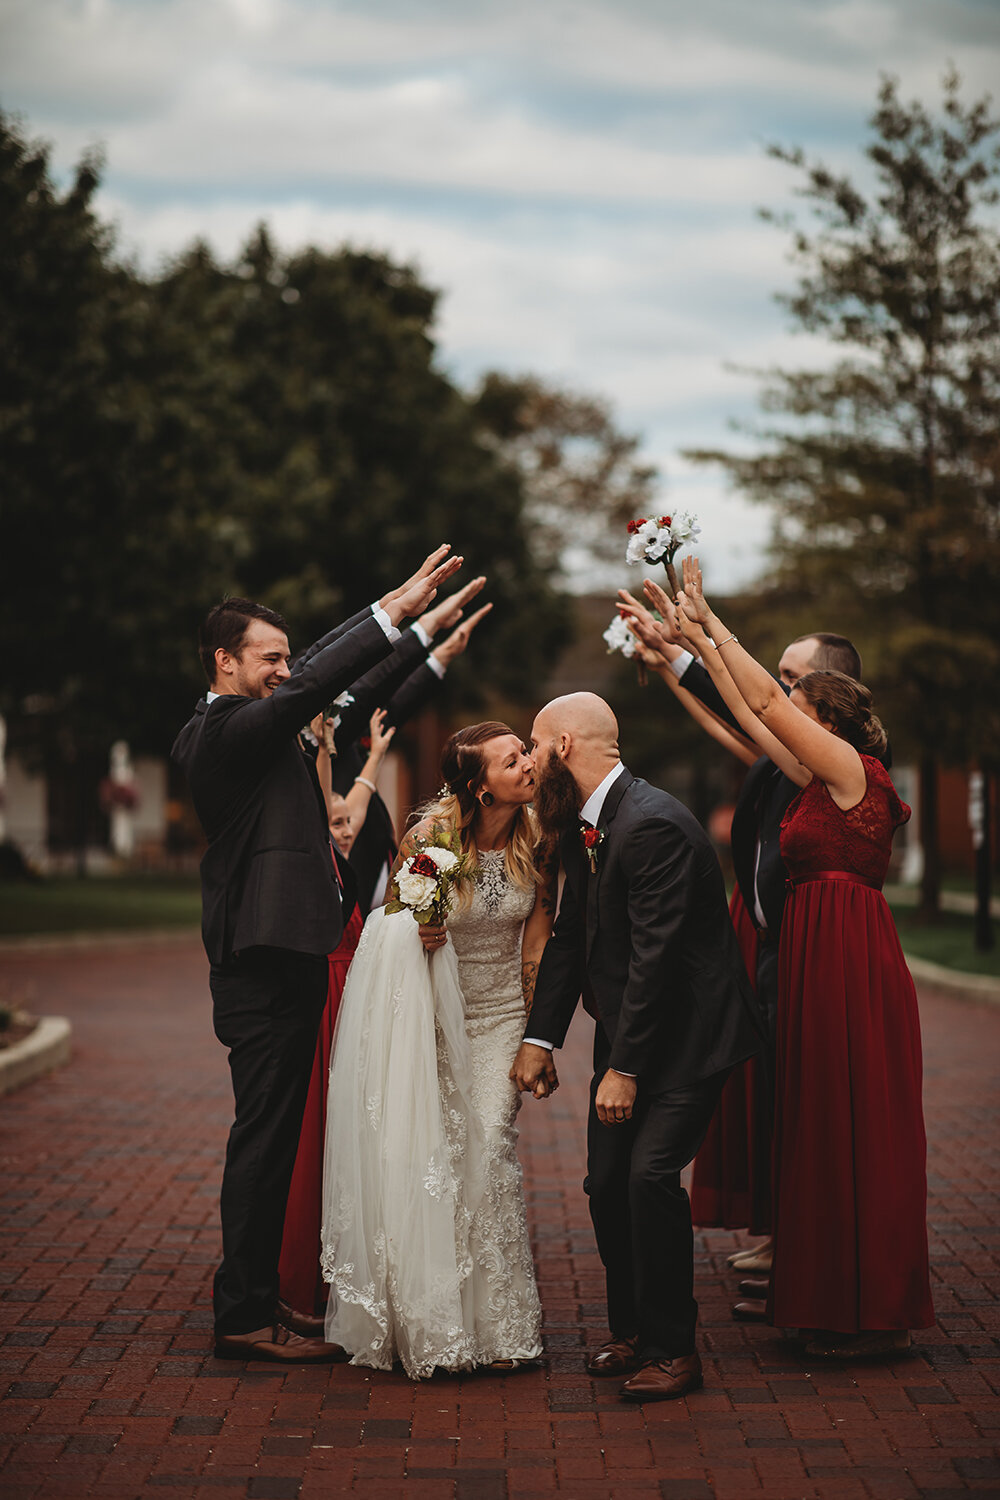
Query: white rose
{"points": [[445, 859], [416, 890], [620, 638]]}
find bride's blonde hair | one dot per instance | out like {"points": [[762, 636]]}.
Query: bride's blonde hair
{"points": [[463, 768]]}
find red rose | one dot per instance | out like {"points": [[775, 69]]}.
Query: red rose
{"points": [[591, 838], [666, 520], [424, 865], [633, 526]]}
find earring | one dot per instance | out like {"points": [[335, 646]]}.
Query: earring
{"points": [[487, 799]]}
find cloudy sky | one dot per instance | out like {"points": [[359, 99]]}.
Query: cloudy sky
{"points": [[579, 179]]}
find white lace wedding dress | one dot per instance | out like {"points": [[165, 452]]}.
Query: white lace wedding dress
{"points": [[425, 1242]]}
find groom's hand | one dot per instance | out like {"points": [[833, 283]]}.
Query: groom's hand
{"points": [[534, 1071], [615, 1098]]}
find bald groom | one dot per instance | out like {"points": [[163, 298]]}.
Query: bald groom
{"points": [[644, 935]]}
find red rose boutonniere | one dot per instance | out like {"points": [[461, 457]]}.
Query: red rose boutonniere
{"points": [[592, 839]]}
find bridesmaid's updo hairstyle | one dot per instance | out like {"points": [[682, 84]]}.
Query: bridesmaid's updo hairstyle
{"points": [[847, 705], [463, 768]]}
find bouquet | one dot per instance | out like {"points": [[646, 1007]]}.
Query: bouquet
{"points": [[620, 638], [659, 540], [424, 882]]}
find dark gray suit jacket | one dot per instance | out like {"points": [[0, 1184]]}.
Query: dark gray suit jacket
{"points": [[268, 878], [648, 941]]}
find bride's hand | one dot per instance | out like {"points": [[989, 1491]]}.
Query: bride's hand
{"points": [[433, 935]]}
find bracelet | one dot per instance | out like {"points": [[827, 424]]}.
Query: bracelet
{"points": [[726, 642], [365, 782]]}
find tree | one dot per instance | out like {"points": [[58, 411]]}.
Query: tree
{"points": [[883, 467], [580, 475]]}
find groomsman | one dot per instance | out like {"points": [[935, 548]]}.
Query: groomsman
{"points": [[272, 910], [643, 932]]}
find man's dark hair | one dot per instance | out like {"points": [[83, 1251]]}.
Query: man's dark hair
{"points": [[834, 653], [226, 627]]}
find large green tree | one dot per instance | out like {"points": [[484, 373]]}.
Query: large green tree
{"points": [[883, 466]]}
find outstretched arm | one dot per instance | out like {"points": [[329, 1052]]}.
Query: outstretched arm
{"points": [[815, 749]]}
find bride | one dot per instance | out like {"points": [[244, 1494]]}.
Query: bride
{"points": [[424, 1241]]}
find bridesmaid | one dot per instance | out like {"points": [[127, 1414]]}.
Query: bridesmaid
{"points": [[850, 1234], [301, 1283]]}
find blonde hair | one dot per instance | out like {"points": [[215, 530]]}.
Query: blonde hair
{"points": [[463, 767]]}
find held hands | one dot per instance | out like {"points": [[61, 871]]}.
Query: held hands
{"points": [[413, 597], [454, 644], [615, 1098], [534, 1071], [446, 615]]}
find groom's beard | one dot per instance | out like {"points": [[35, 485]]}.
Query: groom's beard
{"points": [[557, 800]]}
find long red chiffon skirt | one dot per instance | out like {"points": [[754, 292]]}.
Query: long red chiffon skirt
{"points": [[302, 1285], [731, 1177], [850, 1250]]}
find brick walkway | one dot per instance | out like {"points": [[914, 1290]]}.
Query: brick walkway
{"points": [[109, 1200]]}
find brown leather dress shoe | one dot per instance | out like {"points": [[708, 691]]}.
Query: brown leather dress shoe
{"points": [[750, 1286], [293, 1351], [664, 1379], [751, 1311], [306, 1324], [616, 1357]]}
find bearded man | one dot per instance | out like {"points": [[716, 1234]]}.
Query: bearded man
{"points": [[644, 934]]}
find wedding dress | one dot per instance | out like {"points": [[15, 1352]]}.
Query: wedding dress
{"points": [[425, 1241]]}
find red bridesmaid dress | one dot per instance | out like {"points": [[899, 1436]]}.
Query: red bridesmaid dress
{"points": [[850, 1179], [731, 1177], [302, 1285]]}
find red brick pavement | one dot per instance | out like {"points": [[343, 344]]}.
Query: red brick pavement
{"points": [[109, 1201]]}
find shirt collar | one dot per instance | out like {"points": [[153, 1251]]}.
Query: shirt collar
{"points": [[590, 812], [210, 697]]}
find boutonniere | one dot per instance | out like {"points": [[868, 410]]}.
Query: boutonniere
{"points": [[592, 839]]}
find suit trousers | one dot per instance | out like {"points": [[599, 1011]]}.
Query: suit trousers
{"points": [[641, 1213], [267, 1005]]}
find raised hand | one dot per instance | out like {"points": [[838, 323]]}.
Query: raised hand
{"points": [[418, 592], [381, 737], [692, 599], [645, 629], [446, 615], [430, 562], [454, 644]]}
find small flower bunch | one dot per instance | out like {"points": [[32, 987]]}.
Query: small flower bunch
{"points": [[620, 638], [659, 539], [424, 882], [591, 839]]}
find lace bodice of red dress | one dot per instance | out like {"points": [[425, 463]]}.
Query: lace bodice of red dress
{"points": [[818, 835]]}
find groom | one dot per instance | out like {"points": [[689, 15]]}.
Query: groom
{"points": [[644, 933]]}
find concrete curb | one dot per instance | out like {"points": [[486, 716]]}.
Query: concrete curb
{"points": [[982, 988], [46, 1048]]}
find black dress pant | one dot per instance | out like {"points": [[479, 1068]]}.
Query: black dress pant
{"points": [[641, 1213], [267, 1006]]}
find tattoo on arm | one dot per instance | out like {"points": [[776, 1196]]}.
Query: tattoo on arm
{"points": [[529, 973]]}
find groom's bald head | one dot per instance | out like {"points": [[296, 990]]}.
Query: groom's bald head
{"points": [[583, 719], [577, 734]]}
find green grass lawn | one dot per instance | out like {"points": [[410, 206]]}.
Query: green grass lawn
{"points": [[949, 942], [99, 904]]}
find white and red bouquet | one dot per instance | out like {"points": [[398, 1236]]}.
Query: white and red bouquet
{"points": [[424, 882], [660, 538]]}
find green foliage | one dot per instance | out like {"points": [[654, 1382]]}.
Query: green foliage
{"points": [[277, 427], [884, 469]]}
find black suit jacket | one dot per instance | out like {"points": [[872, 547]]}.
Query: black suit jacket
{"points": [[764, 799], [649, 941], [267, 876]]}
